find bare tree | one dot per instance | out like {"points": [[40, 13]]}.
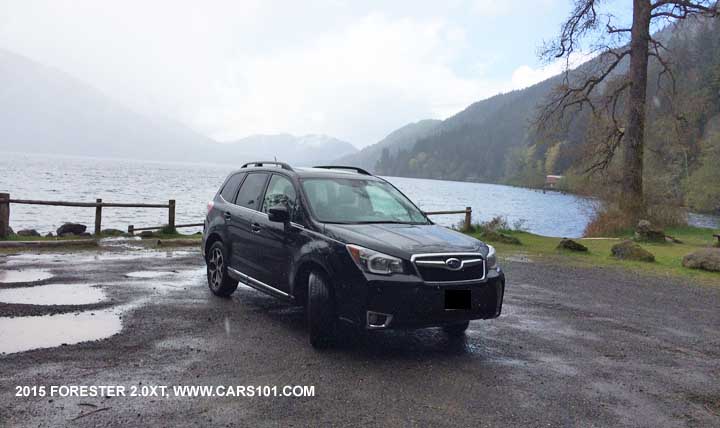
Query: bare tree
{"points": [[604, 89]]}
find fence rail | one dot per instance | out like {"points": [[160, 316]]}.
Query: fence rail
{"points": [[467, 211], [6, 200]]}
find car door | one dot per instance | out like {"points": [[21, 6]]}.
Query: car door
{"points": [[241, 216], [278, 241]]}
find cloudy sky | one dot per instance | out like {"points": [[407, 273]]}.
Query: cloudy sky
{"points": [[355, 70]]}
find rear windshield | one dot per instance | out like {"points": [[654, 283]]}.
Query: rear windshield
{"points": [[353, 201]]}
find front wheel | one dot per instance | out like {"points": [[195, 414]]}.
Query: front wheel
{"points": [[322, 319], [456, 330], [220, 283]]}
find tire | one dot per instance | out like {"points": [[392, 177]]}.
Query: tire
{"points": [[219, 282], [321, 314], [456, 330]]}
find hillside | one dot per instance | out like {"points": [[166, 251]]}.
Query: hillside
{"points": [[402, 138], [45, 110], [494, 140]]}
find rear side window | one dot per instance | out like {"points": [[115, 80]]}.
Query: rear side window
{"points": [[251, 191], [231, 187]]}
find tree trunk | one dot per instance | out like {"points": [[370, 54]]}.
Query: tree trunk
{"points": [[632, 199]]}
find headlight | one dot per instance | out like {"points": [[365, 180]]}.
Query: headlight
{"points": [[374, 262], [491, 259]]}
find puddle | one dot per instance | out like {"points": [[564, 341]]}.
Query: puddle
{"points": [[25, 275], [89, 257], [148, 274], [54, 294], [25, 333]]}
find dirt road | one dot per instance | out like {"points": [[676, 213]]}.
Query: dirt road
{"points": [[574, 347]]}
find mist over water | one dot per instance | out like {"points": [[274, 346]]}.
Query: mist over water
{"points": [[192, 185]]}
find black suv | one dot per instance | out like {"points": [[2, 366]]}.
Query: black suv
{"points": [[349, 246]]}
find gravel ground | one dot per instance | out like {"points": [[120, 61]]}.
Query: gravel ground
{"points": [[573, 347]]}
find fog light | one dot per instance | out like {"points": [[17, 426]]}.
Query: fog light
{"points": [[378, 319]]}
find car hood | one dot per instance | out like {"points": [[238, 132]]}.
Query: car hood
{"points": [[404, 240]]}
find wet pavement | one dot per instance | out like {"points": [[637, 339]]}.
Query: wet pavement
{"points": [[574, 347]]}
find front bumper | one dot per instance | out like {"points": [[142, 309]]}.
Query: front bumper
{"points": [[417, 305]]}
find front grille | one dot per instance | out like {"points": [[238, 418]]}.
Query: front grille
{"points": [[433, 267]]}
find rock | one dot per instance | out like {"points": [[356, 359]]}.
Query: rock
{"points": [[11, 232], [672, 240], [85, 234], [147, 234], [28, 232], [569, 244], [71, 228], [646, 233], [705, 259], [112, 232], [49, 235], [629, 250], [494, 236]]}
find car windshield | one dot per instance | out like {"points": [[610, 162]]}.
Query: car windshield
{"points": [[340, 200]]}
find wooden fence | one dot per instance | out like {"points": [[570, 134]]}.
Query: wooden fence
{"points": [[5, 202], [467, 224]]}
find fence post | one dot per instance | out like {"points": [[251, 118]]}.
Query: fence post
{"points": [[4, 215], [131, 230], [98, 217], [171, 214], [468, 218]]}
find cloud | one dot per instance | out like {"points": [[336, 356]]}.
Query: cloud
{"points": [[232, 68], [525, 75], [376, 74]]}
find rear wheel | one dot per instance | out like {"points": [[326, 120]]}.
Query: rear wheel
{"points": [[220, 283], [456, 329], [322, 319]]}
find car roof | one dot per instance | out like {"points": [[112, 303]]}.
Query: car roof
{"points": [[310, 172]]}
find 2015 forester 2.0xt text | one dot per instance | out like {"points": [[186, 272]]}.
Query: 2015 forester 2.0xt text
{"points": [[349, 246]]}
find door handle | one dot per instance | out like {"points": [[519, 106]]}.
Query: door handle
{"points": [[256, 227], [228, 216]]}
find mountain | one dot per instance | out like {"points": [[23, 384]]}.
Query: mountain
{"points": [[304, 150], [45, 110], [401, 138], [473, 144]]}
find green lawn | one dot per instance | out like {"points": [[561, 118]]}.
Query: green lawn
{"points": [[668, 257]]}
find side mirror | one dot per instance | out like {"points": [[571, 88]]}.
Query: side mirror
{"points": [[279, 213]]}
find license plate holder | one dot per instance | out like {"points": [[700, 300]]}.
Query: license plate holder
{"points": [[458, 300]]}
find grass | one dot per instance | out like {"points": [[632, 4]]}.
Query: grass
{"points": [[668, 257]]}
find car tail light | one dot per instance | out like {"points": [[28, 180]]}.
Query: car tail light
{"points": [[211, 204]]}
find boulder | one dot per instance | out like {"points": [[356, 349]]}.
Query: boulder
{"points": [[569, 244], [629, 250], [28, 232], [705, 259], [11, 232], [49, 235], [646, 233], [494, 236], [112, 232], [71, 228]]}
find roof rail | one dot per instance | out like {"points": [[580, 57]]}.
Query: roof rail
{"points": [[352, 168], [282, 165]]}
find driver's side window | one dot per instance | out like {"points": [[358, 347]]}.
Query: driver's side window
{"points": [[281, 191]]}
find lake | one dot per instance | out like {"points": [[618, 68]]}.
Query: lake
{"points": [[192, 185]]}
